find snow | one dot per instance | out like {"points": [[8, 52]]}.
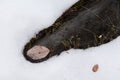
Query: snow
{"points": [[20, 20]]}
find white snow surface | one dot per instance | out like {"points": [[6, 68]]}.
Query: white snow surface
{"points": [[20, 20]]}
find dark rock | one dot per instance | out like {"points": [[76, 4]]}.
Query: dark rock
{"points": [[92, 24]]}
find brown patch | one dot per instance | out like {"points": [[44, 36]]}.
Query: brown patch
{"points": [[95, 68]]}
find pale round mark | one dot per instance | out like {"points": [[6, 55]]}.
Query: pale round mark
{"points": [[38, 52]]}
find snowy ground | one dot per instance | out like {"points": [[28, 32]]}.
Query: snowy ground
{"points": [[21, 19]]}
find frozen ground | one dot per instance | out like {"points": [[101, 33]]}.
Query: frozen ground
{"points": [[21, 19]]}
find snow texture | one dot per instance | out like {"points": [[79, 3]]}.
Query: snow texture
{"points": [[20, 20]]}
